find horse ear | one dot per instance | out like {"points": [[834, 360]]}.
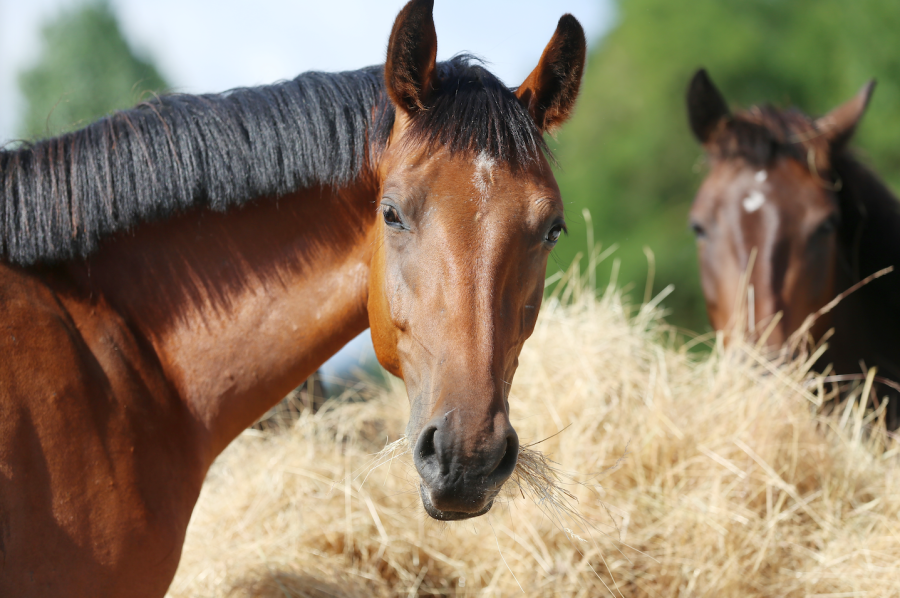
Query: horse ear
{"points": [[550, 90], [839, 125], [706, 106], [409, 71]]}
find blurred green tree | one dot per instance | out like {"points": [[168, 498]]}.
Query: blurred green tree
{"points": [[628, 154], [86, 70]]}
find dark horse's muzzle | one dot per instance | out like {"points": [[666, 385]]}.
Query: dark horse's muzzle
{"points": [[459, 483]]}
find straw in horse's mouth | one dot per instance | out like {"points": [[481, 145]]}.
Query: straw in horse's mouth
{"points": [[536, 477]]}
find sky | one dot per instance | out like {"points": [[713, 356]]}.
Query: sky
{"points": [[204, 46], [208, 46]]}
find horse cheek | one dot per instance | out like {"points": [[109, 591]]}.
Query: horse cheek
{"points": [[384, 333]]}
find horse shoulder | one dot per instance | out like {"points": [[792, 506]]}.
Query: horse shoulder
{"points": [[98, 474]]}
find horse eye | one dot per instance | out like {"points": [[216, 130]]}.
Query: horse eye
{"points": [[554, 233], [698, 229], [826, 228], [391, 217]]}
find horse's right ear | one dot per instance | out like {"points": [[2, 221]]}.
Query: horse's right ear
{"points": [[409, 71], [550, 90], [839, 125], [706, 106]]}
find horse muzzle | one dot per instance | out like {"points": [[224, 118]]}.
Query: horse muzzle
{"points": [[456, 483]]}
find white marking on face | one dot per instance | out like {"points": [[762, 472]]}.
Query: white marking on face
{"points": [[483, 176], [754, 201], [761, 176]]}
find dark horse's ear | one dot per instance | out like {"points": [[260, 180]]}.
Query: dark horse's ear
{"points": [[706, 106], [550, 90], [839, 125], [409, 70]]}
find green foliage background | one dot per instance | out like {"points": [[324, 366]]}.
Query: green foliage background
{"points": [[628, 155], [86, 70]]}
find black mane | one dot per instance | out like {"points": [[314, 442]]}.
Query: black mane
{"points": [[59, 197], [870, 237], [764, 133], [474, 111]]}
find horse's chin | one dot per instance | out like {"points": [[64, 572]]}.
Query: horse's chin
{"points": [[436, 513]]}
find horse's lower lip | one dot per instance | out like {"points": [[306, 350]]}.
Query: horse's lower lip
{"points": [[435, 513]]}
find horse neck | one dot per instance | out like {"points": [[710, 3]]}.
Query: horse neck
{"points": [[870, 317], [240, 307], [871, 220]]}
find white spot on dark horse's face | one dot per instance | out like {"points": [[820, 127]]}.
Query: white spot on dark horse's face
{"points": [[757, 197], [754, 201]]}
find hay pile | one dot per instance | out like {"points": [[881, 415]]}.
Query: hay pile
{"points": [[695, 476]]}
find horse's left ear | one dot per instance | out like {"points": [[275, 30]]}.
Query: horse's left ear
{"points": [[410, 69], [839, 125], [550, 90], [706, 106]]}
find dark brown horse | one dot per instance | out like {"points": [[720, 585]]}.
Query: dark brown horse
{"points": [[784, 187], [170, 272]]}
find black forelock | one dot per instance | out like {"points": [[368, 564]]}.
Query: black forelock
{"points": [[764, 133], [473, 111]]}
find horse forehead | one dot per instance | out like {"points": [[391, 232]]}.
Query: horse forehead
{"points": [[745, 189], [791, 177], [798, 197], [765, 206], [489, 174], [477, 183]]}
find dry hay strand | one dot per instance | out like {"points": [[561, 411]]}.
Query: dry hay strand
{"points": [[661, 473]]}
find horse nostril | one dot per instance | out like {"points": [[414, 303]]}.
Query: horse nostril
{"points": [[425, 445], [507, 463], [425, 457]]}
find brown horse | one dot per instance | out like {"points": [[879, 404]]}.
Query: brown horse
{"points": [[785, 187], [170, 272]]}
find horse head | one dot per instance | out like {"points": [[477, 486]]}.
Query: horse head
{"points": [[469, 212], [768, 218]]}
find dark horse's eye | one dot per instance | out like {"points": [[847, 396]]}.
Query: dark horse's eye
{"points": [[698, 229], [391, 217], [554, 232], [828, 226]]}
